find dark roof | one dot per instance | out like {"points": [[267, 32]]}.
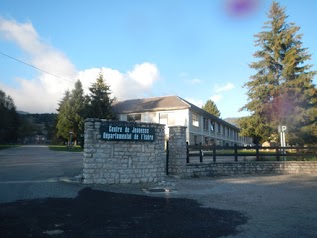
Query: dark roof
{"points": [[165, 103]]}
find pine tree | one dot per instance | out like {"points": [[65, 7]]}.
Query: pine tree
{"points": [[211, 107], [76, 111], [100, 103], [64, 126], [281, 92], [71, 113]]}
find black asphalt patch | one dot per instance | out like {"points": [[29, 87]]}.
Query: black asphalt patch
{"points": [[95, 213]]}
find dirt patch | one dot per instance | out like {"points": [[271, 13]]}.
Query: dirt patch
{"points": [[95, 213]]}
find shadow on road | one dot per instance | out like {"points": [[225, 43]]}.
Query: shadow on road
{"points": [[95, 213]]}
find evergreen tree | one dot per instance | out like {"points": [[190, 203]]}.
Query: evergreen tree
{"points": [[64, 125], [76, 110], [71, 114], [9, 119], [211, 107], [281, 92], [100, 103]]}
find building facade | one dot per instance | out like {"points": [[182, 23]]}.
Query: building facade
{"points": [[202, 127]]}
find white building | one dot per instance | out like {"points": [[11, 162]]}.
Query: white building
{"points": [[202, 127]]}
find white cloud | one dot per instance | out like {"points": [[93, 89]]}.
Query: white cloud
{"points": [[144, 74], [43, 93], [216, 98], [132, 84], [223, 88], [220, 90]]}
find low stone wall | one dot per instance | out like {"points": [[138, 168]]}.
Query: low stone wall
{"points": [[112, 162], [179, 167], [241, 168]]}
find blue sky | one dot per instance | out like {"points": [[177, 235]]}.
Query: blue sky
{"points": [[198, 50]]}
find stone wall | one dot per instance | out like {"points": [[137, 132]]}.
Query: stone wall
{"points": [[179, 167], [177, 150], [114, 162], [250, 167]]}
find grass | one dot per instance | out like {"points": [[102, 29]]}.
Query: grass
{"points": [[65, 148], [2, 147]]}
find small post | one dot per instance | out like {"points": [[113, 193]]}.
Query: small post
{"points": [[70, 139], [187, 153], [235, 153], [167, 157], [214, 153], [200, 153], [277, 154], [257, 152]]}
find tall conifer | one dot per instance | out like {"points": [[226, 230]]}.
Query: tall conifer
{"points": [[211, 107], [100, 104], [281, 92]]}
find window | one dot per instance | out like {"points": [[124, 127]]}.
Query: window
{"points": [[206, 124], [195, 120], [134, 117], [163, 118], [212, 127], [167, 119]]}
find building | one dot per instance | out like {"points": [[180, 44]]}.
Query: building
{"points": [[202, 127]]}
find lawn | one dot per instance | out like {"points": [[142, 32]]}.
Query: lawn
{"points": [[2, 147], [65, 148]]}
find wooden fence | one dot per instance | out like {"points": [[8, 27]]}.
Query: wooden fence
{"points": [[256, 152]]}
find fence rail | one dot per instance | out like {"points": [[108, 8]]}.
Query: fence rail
{"points": [[256, 152]]}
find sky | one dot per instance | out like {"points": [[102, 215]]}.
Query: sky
{"points": [[197, 50]]}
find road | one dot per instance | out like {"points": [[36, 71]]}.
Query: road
{"points": [[35, 201], [36, 162]]}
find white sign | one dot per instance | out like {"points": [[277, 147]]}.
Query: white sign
{"points": [[282, 128]]}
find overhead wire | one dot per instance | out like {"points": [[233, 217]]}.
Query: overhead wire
{"points": [[35, 67]]}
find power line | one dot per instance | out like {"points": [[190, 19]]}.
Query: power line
{"points": [[30, 65]]}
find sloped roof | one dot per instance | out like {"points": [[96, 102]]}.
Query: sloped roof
{"points": [[150, 104], [165, 103]]}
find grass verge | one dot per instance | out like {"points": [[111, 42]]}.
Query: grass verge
{"points": [[2, 147], [65, 148]]}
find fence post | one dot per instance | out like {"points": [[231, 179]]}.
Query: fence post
{"points": [[167, 157], [257, 152], [200, 153], [187, 153], [235, 152], [214, 153], [277, 154]]}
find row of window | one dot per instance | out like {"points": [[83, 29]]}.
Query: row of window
{"points": [[210, 125]]}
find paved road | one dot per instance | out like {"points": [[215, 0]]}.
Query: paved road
{"points": [[29, 163], [246, 206]]}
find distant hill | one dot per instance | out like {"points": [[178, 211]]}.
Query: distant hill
{"points": [[233, 120], [22, 113]]}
